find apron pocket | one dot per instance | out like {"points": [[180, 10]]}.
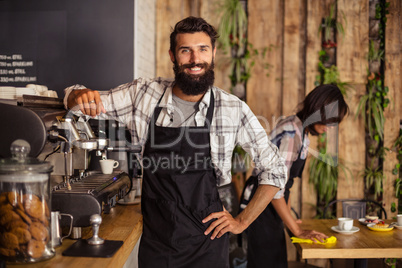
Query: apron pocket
{"points": [[190, 228], [196, 190], [159, 219]]}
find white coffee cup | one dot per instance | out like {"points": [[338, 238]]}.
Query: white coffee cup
{"points": [[345, 224], [107, 165], [399, 219]]}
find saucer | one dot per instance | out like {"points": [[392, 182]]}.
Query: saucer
{"points": [[336, 229], [137, 200], [398, 226]]}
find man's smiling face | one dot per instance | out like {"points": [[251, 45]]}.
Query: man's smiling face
{"points": [[193, 62]]}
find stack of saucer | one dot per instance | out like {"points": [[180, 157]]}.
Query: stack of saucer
{"points": [[25, 91], [42, 90], [8, 93]]}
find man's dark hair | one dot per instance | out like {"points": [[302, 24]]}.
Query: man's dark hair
{"points": [[323, 105], [192, 25]]}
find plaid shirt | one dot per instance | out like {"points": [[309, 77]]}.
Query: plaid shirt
{"points": [[233, 124], [287, 136]]}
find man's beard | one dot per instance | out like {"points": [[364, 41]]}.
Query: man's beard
{"points": [[194, 84]]}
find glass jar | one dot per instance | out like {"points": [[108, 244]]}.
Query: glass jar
{"points": [[24, 207]]}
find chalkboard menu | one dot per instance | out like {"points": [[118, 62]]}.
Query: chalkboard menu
{"points": [[65, 42]]}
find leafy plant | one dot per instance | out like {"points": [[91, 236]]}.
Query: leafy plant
{"points": [[381, 14], [330, 76], [374, 54], [324, 177], [330, 23], [398, 188], [323, 174], [233, 25], [371, 107], [243, 65], [374, 176]]}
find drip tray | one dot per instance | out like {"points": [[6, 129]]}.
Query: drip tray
{"points": [[82, 249]]}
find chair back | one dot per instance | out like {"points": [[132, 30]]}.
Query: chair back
{"points": [[356, 208]]}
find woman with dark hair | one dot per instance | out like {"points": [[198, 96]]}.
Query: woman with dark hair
{"points": [[321, 109]]}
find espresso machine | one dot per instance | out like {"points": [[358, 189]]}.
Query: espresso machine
{"points": [[70, 144]]}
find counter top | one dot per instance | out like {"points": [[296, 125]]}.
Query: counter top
{"points": [[124, 223], [363, 244]]}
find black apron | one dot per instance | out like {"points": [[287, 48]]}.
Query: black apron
{"points": [[266, 241], [179, 190]]}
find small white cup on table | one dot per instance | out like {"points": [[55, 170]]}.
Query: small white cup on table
{"points": [[345, 224], [107, 165], [399, 220]]}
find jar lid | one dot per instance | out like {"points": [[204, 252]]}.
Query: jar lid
{"points": [[21, 163]]}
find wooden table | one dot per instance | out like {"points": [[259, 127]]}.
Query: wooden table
{"points": [[364, 244], [123, 223]]}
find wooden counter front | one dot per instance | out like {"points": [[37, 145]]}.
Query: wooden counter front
{"points": [[124, 223]]}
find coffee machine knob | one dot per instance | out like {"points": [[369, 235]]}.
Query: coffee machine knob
{"points": [[95, 220]]}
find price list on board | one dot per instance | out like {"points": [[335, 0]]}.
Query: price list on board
{"points": [[15, 69]]}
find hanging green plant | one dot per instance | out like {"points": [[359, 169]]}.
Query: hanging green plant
{"points": [[375, 54], [331, 76], [381, 14], [233, 25], [324, 171], [323, 174], [371, 107], [330, 23], [374, 177]]}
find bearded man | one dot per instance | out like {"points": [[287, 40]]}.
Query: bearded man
{"points": [[195, 125]]}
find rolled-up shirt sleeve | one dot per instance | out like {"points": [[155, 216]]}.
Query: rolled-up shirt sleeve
{"points": [[269, 165], [67, 92]]}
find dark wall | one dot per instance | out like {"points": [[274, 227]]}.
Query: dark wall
{"points": [[66, 42]]}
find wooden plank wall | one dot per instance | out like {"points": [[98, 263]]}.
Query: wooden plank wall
{"points": [[393, 114], [265, 29], [291, 26], [352, 64], [293, 88]]}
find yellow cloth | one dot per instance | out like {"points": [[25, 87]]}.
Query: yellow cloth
{"points": [[329, 240]]}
